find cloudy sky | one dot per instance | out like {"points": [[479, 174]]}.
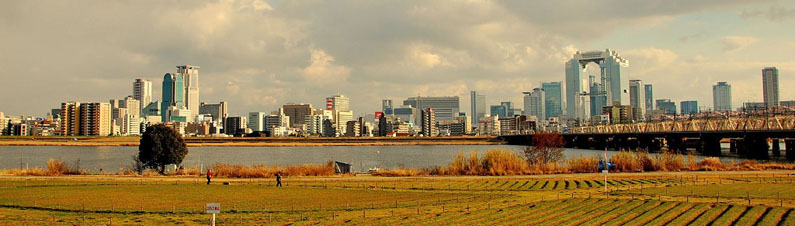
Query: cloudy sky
{"points": [[258, 55]]}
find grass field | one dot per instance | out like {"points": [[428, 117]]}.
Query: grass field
{"points": [[664, 199]]}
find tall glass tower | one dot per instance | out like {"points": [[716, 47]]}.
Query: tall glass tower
{"points": [[610, 64], [770, 86], [552, 98], [722, 97], [173, 94]]}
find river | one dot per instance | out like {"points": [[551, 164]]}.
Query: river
{"points": [[112, 159]]}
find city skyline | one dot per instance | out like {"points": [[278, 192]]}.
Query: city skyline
{"points": [[497, 62]]}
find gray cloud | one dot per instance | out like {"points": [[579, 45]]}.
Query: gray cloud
{"points": [[774, 13], [258, 55]]}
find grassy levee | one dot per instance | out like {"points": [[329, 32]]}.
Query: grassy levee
{"points": [[366, 200]]}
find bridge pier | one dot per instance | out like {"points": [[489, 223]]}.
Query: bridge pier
{"points": [[710, 145], [599, 142], [776, 149], [790, 148], [675, 144], [756, 147], [734, 145]]}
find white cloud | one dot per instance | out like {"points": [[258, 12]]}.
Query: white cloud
{"points": [[737, 43], [322, 70]]}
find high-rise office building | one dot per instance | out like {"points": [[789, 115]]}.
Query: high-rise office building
{"points": [[637, 98], [534, 103], [553, 99], [132, 105], [173, 94], [218, 111], [314, 124], [445, 108], [722, 96], [770, 86], [500, 111], [429, 123], [256, 121], [478, 106], [386, 107], [598, 99], [649, 97], [689, 107], [610, 64], [338, 102], [190, 76], [407, 114], [668, 106], [232, 125], [297, 113], [142, 91]]}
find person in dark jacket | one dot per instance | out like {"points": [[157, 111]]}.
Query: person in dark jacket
{"points": [[278, 180]]}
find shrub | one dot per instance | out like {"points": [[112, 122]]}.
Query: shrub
{"points": [[497, 162], [546, 148]]}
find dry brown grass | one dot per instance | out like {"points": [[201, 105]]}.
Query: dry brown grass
{"points": [[494, 162], [402, 172], [668, 161], [260, 171], [55, 167], [583, 165]]}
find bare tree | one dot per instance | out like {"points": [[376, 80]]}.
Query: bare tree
{"points": [[546, 148]]}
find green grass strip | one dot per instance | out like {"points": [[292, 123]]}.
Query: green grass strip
{"points": [[629, 215], [577, 214], [652, 213], [773, 216], [671, 214], [789, 219], [751, 216], [609, 215], [709, 216], [610, 205], [731, 215], [583, 204]]}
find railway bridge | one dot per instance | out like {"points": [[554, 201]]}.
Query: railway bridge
{"points": [[753, 135]]}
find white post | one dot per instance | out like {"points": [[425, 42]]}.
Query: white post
{"points": [[607, 169], [213, 223]]}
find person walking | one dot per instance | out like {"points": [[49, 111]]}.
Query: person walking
{"points": [[209, 176], [278, 180]]}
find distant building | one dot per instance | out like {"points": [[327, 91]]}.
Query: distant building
{"points": [[338, 102], [173, 94], [407, 114], [637, 99], [770, 86], [218, 111], [445, 108], [499, 110], [95, 119], [668, 106], [142, 91], [386, 106], [649, 97], [429, 123], [314, 124], [275, 121], [352, 129], [553, 99], [619, 113], [478, 105], [256, 121], [233, 125], [190, 78], [297, 113], [722, 97], [534, 103], [689, 107]]}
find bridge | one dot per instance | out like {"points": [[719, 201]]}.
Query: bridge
{"points": [[753, 134]]}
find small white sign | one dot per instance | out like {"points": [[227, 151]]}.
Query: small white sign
{"points": [[213, 208], [604, 171]]}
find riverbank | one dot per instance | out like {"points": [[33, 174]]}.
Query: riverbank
{"points": [[253, 141]]}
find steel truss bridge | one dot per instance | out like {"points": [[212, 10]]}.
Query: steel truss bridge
{"points": [[754, 134]]}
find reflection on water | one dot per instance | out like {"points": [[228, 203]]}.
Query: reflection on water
{"points": [[362, 157]]}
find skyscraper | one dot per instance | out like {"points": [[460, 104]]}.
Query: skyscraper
{"points": [[478, 105], [338, 102], [218, 111], [191, 85], [649, 97], [500, 111], [610, 64], [722, 97], [637, 98], [429, 123], [598, 99], [386, 107], [444, 108], [173, 94], [142, 91], [770, 86], [553, 98], [534, 104], [689, 107]]}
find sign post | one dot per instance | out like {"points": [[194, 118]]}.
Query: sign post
{"points": [[213, 208], [607, 168]]}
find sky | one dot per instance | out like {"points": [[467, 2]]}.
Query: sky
{"points": [[258, 55]]}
